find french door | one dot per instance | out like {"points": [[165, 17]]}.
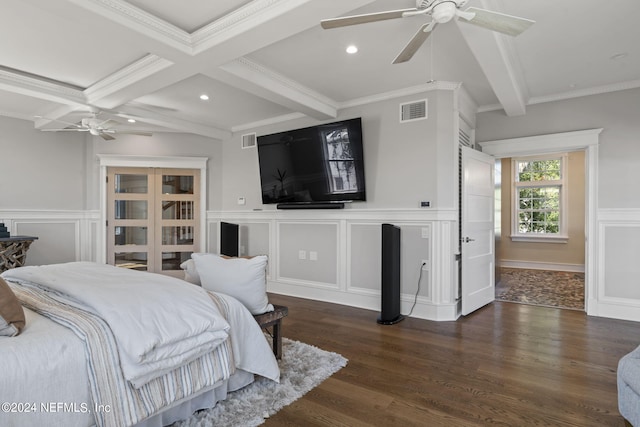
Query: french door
{"points": [[152, 218]]}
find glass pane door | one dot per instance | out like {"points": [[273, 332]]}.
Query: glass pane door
{"points": [[130, 218], [153, 218], [177, 221]]}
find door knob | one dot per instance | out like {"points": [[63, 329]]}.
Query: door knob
{"points": [[468, 239]]}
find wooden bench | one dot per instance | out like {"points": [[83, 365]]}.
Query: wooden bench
{"points": [[274, 319]]}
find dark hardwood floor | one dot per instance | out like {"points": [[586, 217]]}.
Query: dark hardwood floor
{"points": [[506, 364]]}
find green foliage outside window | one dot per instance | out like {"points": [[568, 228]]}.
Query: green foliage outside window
{"points": [[539, 205]]}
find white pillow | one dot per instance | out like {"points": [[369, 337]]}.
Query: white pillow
{"points": [[190, 273], [242, 278]]}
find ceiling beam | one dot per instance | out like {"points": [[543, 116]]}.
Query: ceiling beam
{"points": [[172, 123], [499, 62], [222, 43], [261, 81], [22, 84], [178, 55]]}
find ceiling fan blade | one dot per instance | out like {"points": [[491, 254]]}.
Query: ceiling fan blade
{"points": [[65, 130], [106, 136], [414, 44], [363, 19], [106, 123], [500, 22]]}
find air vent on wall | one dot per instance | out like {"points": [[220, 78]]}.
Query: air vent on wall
{"points": [[466, 135], [464, 139], [416, 110], [248, 140]]}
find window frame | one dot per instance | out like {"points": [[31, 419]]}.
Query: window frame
{"points": [[562, 183]]}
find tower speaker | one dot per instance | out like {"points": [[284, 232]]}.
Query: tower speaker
{"points": [[229, 234], [390, 313]]}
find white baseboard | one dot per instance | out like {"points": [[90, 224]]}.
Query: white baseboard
{"points": [[615, 309], [534, 265], [422, 310]]}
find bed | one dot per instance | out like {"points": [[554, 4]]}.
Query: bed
{"points": [[113, 347]]}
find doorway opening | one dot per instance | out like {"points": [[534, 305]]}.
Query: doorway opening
{"points": [[541, 255], [577, 141]]}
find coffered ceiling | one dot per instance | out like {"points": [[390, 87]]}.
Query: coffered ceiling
{"points": [[264, 61]]}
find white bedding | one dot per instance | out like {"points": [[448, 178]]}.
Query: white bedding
{"points": [[139, 308], [46, 365], [42, 366]]}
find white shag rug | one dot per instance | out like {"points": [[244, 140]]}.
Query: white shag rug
{"points": [[302, 368]]}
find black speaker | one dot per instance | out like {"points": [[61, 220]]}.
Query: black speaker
{"points": [[229, 234], [390, 275]]}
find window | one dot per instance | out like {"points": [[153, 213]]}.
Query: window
{"points": [[539, 198]]}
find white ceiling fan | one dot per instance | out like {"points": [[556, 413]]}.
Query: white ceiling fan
{"points": [[441, 11], [95, 127]]}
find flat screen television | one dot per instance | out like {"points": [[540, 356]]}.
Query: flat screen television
{"points": [[314, 165]]}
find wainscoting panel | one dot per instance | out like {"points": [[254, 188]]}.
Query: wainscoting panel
{"points": [[255, 239], [365, 258], [347, 245], [57, 241], [308, 252], [615, 292], [415, 248], [63, 236]]}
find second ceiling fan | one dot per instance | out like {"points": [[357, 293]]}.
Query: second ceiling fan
{"points": [[96, 127], [441, 11]]}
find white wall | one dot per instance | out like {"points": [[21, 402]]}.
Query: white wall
{"points": [[400, 158], [40, 170], [405, 163], [619, 152], [49, 184], [165, 144]]}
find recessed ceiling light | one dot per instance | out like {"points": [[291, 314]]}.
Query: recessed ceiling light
{"points": [[352, 49], [131, 120], [204, 97]]}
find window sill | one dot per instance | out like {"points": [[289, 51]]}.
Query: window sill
{"points": [[539, 238]]}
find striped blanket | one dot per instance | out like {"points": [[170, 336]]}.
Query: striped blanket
{"points": [[109, 389]]}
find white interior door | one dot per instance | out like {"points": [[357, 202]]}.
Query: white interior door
{"points": [[477, 232]]}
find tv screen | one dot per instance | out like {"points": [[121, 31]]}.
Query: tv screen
{"points": [[321, 163]]}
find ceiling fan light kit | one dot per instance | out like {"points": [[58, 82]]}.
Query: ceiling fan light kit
{"points": [[441, 12], [444, 12]]}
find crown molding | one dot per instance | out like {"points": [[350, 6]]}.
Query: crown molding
{"points": [[596, 90], [412, 90], [139, 20], [203, 38]]}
